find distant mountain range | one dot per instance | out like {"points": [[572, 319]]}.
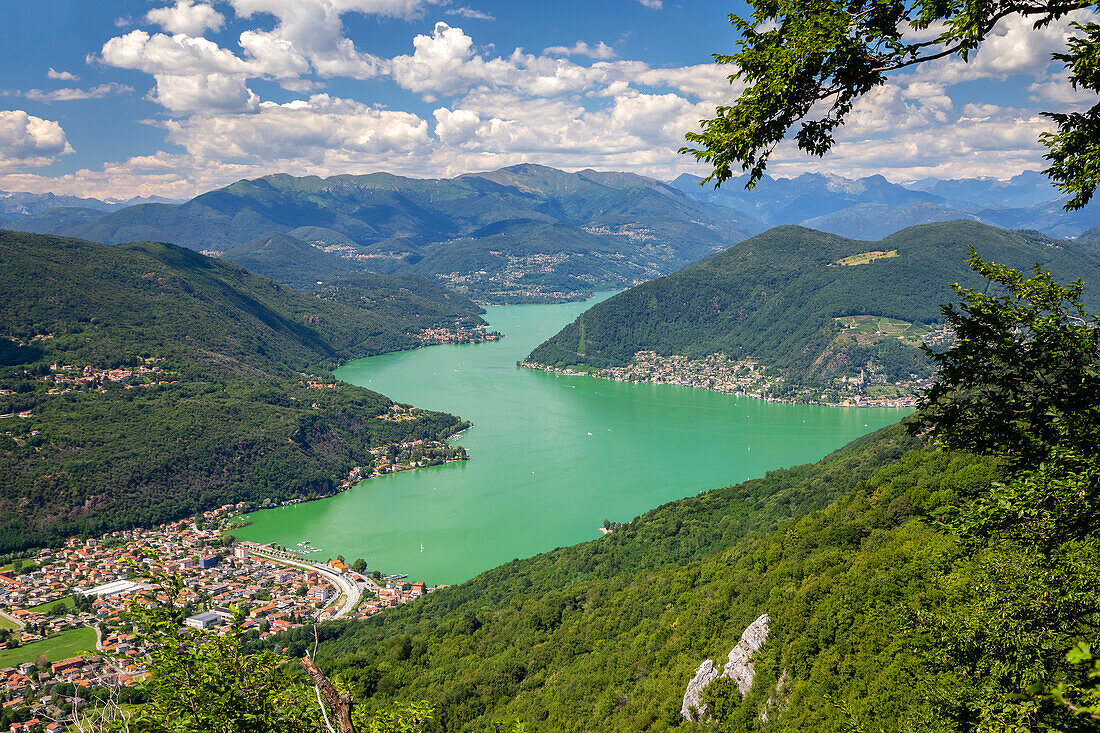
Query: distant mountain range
{"points": [[811, 307], [528, 233], [872, 208], [15, 205], [521, 233]]}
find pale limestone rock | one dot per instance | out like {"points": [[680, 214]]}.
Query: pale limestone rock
{"points": [[694, 708], [738, 668]]}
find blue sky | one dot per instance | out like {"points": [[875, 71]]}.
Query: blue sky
{"points": [[117, 98]]}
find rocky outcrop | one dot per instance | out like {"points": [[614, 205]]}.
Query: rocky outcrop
{"points": [[738, 669], [694, 708]]}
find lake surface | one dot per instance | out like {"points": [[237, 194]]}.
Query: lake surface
{"points": [[551, 456]]}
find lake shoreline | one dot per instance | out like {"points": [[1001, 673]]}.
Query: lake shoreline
{"points": [[899, 402]]}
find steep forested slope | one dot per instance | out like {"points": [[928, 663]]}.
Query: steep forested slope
{"points": [[777, 297], [211, 389], [289, 260]]}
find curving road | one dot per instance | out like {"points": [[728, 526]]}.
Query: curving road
{"points": [[349, 589]]}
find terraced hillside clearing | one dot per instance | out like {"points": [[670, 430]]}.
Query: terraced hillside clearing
{"points": [[866, 330]]}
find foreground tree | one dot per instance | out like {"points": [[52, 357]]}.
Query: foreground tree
{"points": [[1022, 383], [807, 63]]}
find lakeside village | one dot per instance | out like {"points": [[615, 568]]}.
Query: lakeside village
{"points": [[456, 335], [59, 604], [744, 377]]}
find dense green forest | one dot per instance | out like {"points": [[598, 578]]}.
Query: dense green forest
{"points": [[229, 412], [289, 260], [775, 298]]}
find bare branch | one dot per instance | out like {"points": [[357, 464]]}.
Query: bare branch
{"points": [[340, 704]]}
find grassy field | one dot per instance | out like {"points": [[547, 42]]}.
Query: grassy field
{"points": [[864, 257], [68, 601], [63, 646], [7, 624]]}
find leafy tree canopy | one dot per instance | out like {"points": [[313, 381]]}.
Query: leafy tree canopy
{"points": [[1023, 383], [807, 63]]}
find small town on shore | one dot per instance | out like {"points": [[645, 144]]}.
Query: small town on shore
{"points": [[67, 637], [457, 335], [746, 378]]}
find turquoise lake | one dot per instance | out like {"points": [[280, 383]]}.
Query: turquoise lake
{"points": [[551, 456]]}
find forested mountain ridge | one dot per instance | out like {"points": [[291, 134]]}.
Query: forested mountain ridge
{"points": [[526, 232], [938, 591], [810, 307], [145, 366]]}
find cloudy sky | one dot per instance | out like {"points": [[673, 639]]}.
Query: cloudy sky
{"points": [[116, 98]]}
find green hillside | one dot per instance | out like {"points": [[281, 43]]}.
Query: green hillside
{"points": [[212, 391], [289, 260], [810, 307], [1092, 236], [63, 217], [517, 234]]}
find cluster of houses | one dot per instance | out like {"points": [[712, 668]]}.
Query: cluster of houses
{"points": [[715, 372], [105, 569], [719, 373], [219, 581], [400, 413], [412, 454], [393, 593], [456, 335], [47, 698], [512, 282], [66, 378]]}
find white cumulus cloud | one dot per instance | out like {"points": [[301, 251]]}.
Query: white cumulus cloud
{"points": [[446, 62], [72, 94], [600, 51], [316, 129], [177, 54], [204, 93], [61, 75], [29, 141], [186, 17]]}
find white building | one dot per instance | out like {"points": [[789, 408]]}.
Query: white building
{"points": [[203, 620]]}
